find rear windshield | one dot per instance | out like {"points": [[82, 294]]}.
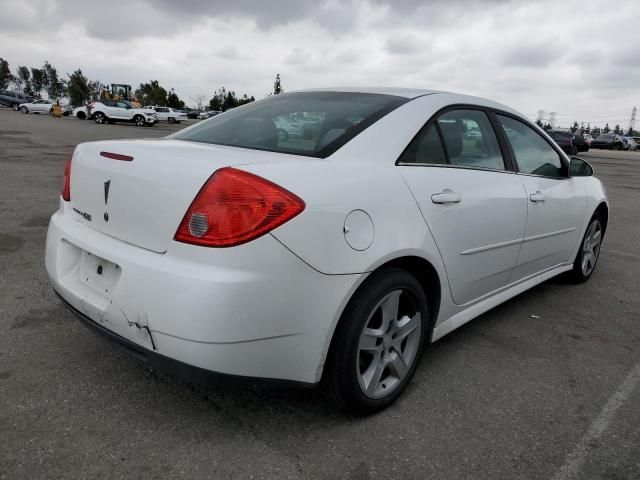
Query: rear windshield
{"points": [[313, 124]]}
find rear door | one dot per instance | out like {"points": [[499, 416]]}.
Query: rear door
{"points": [[40, 106], [162, 113], [474, 205], [556, 203]]}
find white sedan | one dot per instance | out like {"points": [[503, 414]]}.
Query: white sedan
{"points": [[170, 115], [226, 251], [37, 106]]}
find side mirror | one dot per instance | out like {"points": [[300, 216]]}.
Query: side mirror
{"points": [[580, 168]]}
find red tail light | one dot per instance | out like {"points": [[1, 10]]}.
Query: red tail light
{"points": [[66, 188], [235, 207]]}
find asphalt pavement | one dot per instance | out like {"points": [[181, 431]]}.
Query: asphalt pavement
{"points": [[546, 386]]}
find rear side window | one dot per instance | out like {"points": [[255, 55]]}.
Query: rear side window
{"points": [[459, 137], [306, 123], [533, 154], [426, 149], [469, 139]]}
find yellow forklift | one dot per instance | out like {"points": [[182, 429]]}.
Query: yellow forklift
{"points": [[119, 91]]}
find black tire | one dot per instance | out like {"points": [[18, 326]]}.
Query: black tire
{"points": [[100, 118], [24, 110], [171, 120], [342, 377], [81, 115], [16, 107], [578, 273], [139, 121]]}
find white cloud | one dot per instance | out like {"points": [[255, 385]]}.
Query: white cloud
{"points": [[578, 58]]}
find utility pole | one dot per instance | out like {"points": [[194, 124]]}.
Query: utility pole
{"points": [[552, 119], [632, 122]]}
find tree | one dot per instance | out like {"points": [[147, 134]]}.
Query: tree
{"points": [[78, 88], [606, 129], [199, 100], [174, 101], [5, 74], [617, 130], [95, 87], [277, 86], [24, 77], [218, 99], [630, 132], [588, 129], [547, 126], [54, 86], [151, 93], [37, 81], [244, 100], [539, 123], [574, 127]]}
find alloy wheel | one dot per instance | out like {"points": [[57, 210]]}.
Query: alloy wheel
{"points": [[591, 247], [389, 343]]}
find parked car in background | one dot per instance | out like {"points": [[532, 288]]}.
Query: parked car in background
{"points": [[578, 142], [111, 111], [609, 141], [225, 249], [629, 143], [637, 139], [588, 138], [37, 106], [564, 141], [208, 114], [171, 115], [80, 112], [193, 114], [13, 99]]}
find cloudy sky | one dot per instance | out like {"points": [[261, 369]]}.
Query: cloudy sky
{"points": [[580, 58]]}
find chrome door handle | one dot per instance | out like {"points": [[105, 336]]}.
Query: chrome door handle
{"points": [[447, 196], [537, 197]]}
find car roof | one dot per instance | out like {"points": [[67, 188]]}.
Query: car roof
{"points": [[411, 93], [397, 91]]}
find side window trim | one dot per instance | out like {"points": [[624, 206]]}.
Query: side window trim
{"points": [[433, 122], [442, 142], [503, 141]]}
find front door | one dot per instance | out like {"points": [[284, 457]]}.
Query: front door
{"points": [[555, 203], [473, 205]]}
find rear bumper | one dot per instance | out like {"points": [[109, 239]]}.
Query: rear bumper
{"points": [[176, 368], [255, 310]]}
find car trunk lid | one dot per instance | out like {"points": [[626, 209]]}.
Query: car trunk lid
{"points": [[139, 190]]}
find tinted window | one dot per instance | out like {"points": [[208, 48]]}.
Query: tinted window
{"points": [[469, 139], [533, 154], [426, 148], [306, 123]]}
